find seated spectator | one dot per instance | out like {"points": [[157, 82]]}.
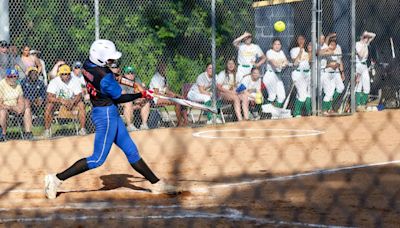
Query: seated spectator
{"points": [[160, 86], [34, 90], [12, 102], [77, 74], [227, 90], [64, 94], [144, 106], [53, 73], [28, 60], [252, 85], [201, 91]]}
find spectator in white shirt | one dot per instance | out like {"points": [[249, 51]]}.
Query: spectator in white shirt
{"points": [[65, 95], [159, 84]]}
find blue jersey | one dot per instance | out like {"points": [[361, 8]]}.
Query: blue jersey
{"points": [[100, 84]]}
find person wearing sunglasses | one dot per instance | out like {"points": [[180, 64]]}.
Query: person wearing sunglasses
{"points": [[12, 102], [64, 94]]}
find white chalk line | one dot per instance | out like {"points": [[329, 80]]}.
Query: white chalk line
{"points": [[241, 183], [230, 214], [306, 133], [201, 215]]}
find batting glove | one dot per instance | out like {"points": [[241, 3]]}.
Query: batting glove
{"points": [[148, 94]]}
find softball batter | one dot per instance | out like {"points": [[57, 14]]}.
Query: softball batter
{"points": [[363, 85], [277, 61], [247, 55], [301, 77], [105, 94]]}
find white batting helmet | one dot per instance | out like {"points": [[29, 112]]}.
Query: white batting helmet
{"points": [[103, 50]]}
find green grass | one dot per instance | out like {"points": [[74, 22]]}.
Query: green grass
{"points": [[38, 130]]}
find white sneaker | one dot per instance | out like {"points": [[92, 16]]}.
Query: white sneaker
{"points": [[82, 132], [163, 188], [209, 122], [51, 183], [47, 133], [144, 127], [131, 127], [218, 121]]}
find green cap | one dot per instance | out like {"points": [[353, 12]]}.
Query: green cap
{"points": [[128, 69]]}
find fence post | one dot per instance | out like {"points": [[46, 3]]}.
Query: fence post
{"points": [[213, 56], [96, 18], [4, 21], [353, 55]]}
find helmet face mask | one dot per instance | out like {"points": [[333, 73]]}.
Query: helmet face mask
{"points": [[103, 53]]}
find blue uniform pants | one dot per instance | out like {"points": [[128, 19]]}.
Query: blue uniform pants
{"points": [[110, 129]]}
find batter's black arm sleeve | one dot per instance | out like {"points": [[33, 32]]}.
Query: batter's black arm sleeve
{"points": [[127, 98]]}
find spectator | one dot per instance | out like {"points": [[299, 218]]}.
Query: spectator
{"points": [[226, 85], [28, 60], [53, 73], [160, 86], [4, 58], [64, 94], [277, 61], [34, 90], [301, 77], [248, 55], [201, 91], [42, 76], [12, 102], [77, 74], [115, 69], [253, 92], [144, 106]]}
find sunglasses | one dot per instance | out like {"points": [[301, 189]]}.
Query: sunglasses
{"points": [[12, 76]]}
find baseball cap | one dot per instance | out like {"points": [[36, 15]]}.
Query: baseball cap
{"points": [[64, 69], [128, 69], [77, 64], [11, 72], [3, 43], [34, 52], [31, 69]]}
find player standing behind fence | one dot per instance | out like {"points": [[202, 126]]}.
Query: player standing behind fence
{"points": [[301, 77], [363, 85], [332, 76], [105, 94], [247, 55], [277, 61]]}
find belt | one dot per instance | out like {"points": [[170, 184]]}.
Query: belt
{"points": [[331, 72], [246, 66], [363, 63], [277, 73], [305, 71]]}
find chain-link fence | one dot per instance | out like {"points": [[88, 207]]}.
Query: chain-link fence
{"points": [[273, 60]]}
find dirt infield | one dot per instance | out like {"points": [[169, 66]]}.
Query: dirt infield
{"points": [[318, 172]]}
